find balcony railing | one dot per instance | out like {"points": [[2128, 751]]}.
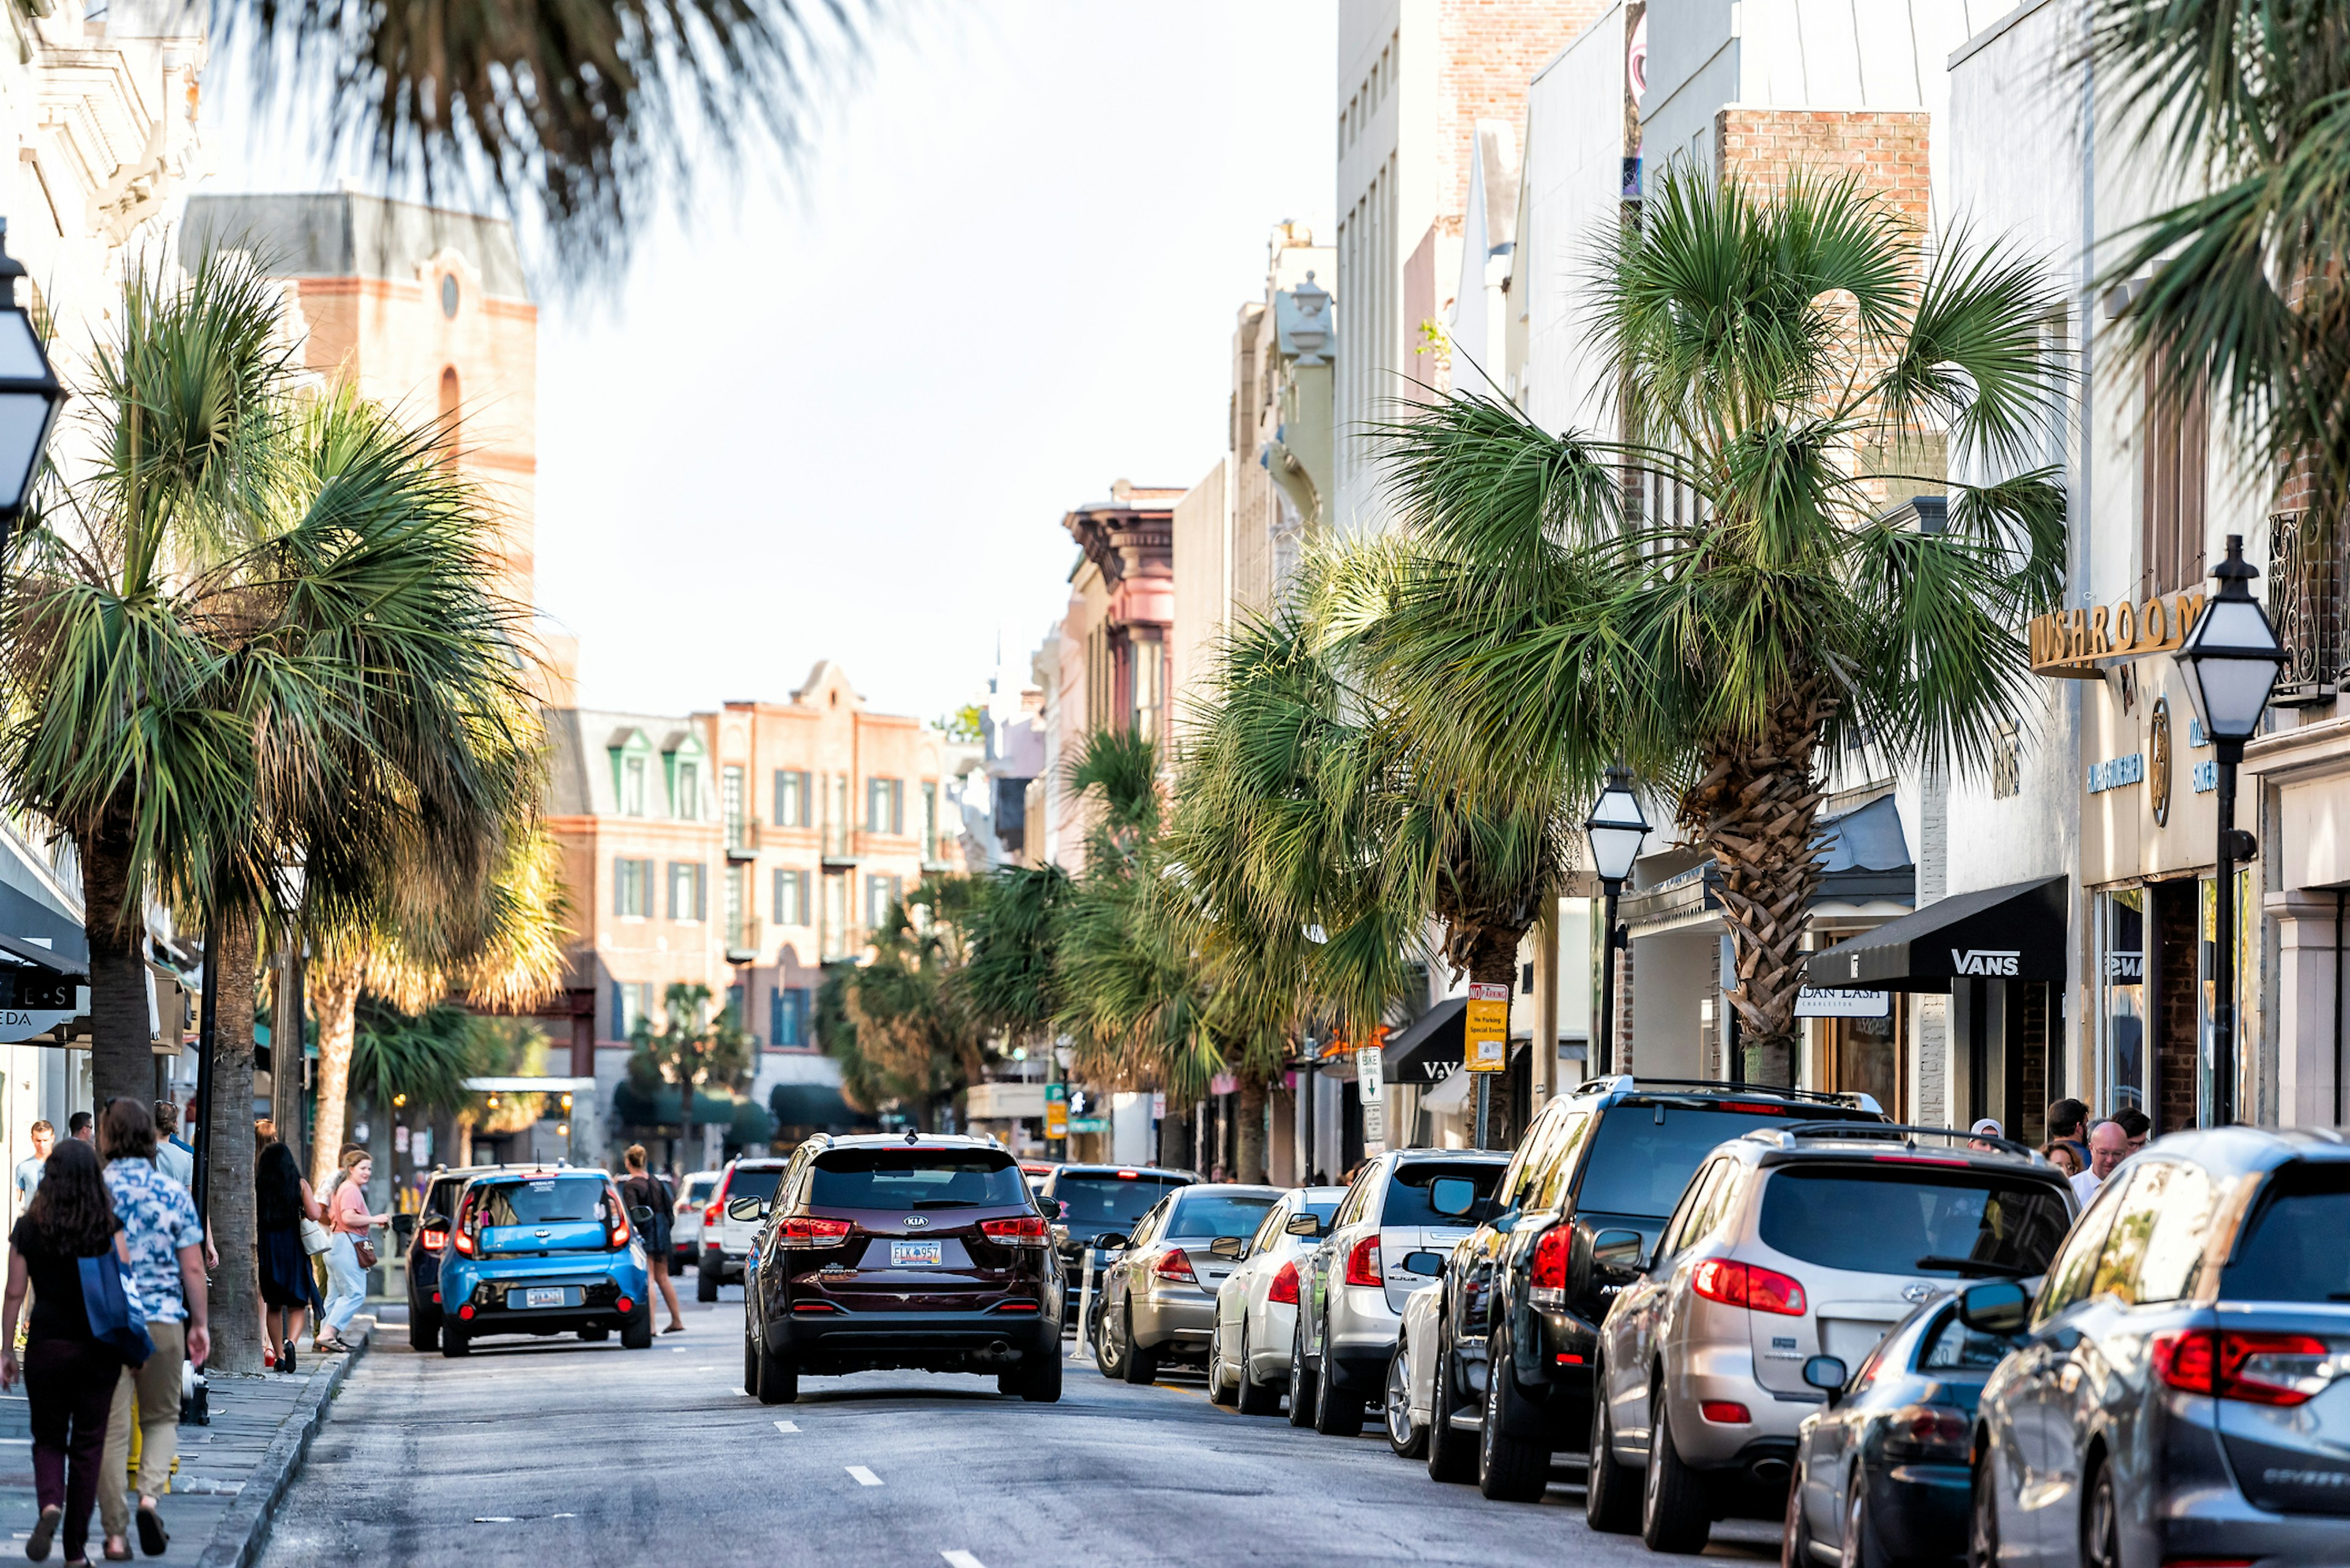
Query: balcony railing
{"points": [[743, 939], [839, 842], [2306, 577], [742, 839]]}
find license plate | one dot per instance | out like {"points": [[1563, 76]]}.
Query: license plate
{"points": [[550, 1297], [913, 1255]]}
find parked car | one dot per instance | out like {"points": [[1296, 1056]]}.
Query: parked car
{"points": [[2181, 1396], [879, 1252], [1158, 1298], [1526, 1290], [1086, 1202], [1880, 1474], [542, 1252], [1356, 1281], [724, 1240], [1256, 1306], [1410, 1390], [1790, 1242], [1034, 1171], [694, 1196], [432, 1244]]}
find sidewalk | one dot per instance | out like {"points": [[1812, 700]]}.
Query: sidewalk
{"points": [[231, 1473]]}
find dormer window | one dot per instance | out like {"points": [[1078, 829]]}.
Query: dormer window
{"points": [[632, 787], [689, 791]]}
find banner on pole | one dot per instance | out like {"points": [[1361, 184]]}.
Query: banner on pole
{"points": [[1485, 1032]]}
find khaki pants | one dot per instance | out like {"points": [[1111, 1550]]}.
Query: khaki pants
{"points": [[157, 1387]]}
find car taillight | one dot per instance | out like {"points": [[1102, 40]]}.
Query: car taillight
{"points": [[619, 1235], [1549, 1269], [1927, 1432], [1175, 1266], [711, 1215], [1363, 1262], [1284, 1285], [462, 1241], [432, 1240], [1028, 1231], [2233, 1363], [802, 1231], [1733, 1284]]}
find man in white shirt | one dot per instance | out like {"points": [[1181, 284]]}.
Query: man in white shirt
{"points": [[2108, 1147]]}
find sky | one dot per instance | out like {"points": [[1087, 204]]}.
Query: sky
{"points": [[840, 414]]}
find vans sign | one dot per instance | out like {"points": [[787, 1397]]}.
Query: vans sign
{"points": [[1984, 960]]}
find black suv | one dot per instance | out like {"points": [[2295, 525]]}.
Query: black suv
{"points": [[1583, 1200], [1087, 1202], [425, 1251]]}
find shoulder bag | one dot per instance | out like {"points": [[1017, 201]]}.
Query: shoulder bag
{"points": [[315, 1238], [108, 1303]]}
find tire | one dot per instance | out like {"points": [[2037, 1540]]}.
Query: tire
{"points": [[1141, 1365], [1219, 1392], [1337, 1412], [1795, 1529], [1508, 1469], [1676, 1515], [1252, 1397], [1983, 1516], [1036, 1380], [1409, 1440], [1611, 1491], [423, 1330], [1451, 1456], [1301, 1386], [705, 1278], [455, 1342], [637, 1334], [1109, 1358], [1860, 1540], [595, 1336], [2101, 1522], [779, 1379], [750, 1365]]}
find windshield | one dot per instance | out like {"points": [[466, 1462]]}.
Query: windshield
{"points": [[1408, 1201], [1917, 1221], [553, 1200], [1638, 1163], [2275, 1261], [698, 1189], [754, 1183], [442, 1198], [1115, 1201], [915, 1179], [1213, 1214]]}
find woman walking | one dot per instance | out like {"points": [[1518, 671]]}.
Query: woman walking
{"points": [[348, 1219], [69, 1374], [640, 1186], [281, 1201]]}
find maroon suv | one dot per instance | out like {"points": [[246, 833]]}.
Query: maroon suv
{"points": [[882, 1252]]}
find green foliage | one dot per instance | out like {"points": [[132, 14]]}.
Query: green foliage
{"points": [[1012, 932], [901, 1026], [692, 1047], [967, 724], [426, 1056]]}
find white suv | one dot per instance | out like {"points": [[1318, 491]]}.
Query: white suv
{"points": [[726, 1242], [1788, 1243], [1358, 1281]]}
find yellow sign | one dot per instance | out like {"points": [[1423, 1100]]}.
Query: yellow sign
{"points": [[2069, 643], [1485, 1032], [1056, 1110]]}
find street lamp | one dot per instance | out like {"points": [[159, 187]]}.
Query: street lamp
{"points": [[2229, 662], [1616, 828], [29, 394]]}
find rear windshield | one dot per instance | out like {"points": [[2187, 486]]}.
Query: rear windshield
{"points": [[1219, 1213], [1914, 1221], [1407, 1202], [754, 1183], [1638, 1163], [699, 1187], [2275, 1260], [555, 1200], [914, 1179], [442, 1198], [1110, 1199]]}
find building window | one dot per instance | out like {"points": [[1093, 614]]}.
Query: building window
{"points": [[2122, 995], [632, 889], [632, 787], [885, 805], [738, 928], [2176, 435], [835, 940], [880, 892], [732, 789], [632, 1003], [687, 892], [929, 819], [688, 792], [788, 1017], [791, 900], [452, 418], [794, 799], [738, 1004]]}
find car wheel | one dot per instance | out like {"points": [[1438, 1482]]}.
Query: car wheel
{"points": [[1219, 1391], [1141, 1365], [1107, 1354], [2101, 1524], [1857, 1550], [637, 1333], [423, 1329], [1038, 1380], [705, 1278], [750, 1365], [779, 1379], [1406, 1439], [1301, 1381], [1508, 1469], [1983, 1516], [1451, 1454], [1795, 1530], [454, 1343], [1676, 1516], [1337, 1412], [1611, 1491], [1254, 1398]]}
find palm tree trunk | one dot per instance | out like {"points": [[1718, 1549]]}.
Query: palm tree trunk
{"points": [[120, 1062], [333, 988], [237, 1284], [1249, 1156], [1757, 810]]}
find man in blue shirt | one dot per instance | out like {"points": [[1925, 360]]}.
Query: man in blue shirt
{"points": [[173, 1158], [28, 1171]]}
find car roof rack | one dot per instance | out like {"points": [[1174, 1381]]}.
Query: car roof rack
{"points": [[1625, 1082], [1887, 1132]]}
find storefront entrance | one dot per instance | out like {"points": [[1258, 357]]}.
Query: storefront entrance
{"points": [[1865, 1057]]}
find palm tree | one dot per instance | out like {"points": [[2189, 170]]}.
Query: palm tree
{"points": [[693, 1049], [908, 1031], [1538, 629]]}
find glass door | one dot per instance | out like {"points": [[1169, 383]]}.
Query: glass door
{"points": [[2121, 996]]}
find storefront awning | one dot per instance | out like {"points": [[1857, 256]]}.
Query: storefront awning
{"points": [[18, 952], [1430, 1048], [2015, 932]]}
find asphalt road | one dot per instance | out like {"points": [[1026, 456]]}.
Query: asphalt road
{"points": [[557, 1452]]}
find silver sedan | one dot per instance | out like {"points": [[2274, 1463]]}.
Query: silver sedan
{"points": [[1159, 1299]]}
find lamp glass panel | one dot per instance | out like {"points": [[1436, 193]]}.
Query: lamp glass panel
{"points": [[2229, 693], [1613, 850], [2231, 623], [24, 423], [20, 349]]}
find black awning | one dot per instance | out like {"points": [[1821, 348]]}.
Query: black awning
{"points": [[1431, 1048], [34, 955], [2015, 932]]}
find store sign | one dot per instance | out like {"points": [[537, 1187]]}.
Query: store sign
{"points": [[1485, 1032], [2115, 772], [1985, 960], [2206, 776], [22, 1023], [1056, 1110], [2126, 968], [2072, 642], [1811, 1002]]}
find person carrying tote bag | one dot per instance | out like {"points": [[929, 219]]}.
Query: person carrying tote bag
{"points": [[348, 1219]]}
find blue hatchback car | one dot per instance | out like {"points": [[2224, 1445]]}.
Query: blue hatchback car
{"points": [[542, 1252]]}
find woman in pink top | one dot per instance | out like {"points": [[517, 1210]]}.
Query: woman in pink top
{"points": [[348, 1219]]}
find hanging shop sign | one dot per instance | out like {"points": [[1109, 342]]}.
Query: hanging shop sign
{"points": [[2076, 644], [1486, 1036], [1832, 1002]]}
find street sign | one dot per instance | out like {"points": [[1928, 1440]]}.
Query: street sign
{"points": [[1056, 1110], [1370, 1084], [1159, 1106], [1375, 1127], [1088, 1124], [1485, 1028]]}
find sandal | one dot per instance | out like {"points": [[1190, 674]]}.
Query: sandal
{"points": [[153, 1538], [674, 1328], [36, 1544]]}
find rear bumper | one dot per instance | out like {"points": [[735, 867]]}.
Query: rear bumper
{"points": [[2216, 1523], [1173, 1323], [942, 1340], [1362, 1333], [1726, 1373], [545, 1320]]}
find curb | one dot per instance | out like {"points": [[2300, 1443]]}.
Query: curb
{"points": [[243, 1531]]}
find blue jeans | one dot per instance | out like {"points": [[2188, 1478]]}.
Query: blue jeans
{"points": [[345, 1285]]}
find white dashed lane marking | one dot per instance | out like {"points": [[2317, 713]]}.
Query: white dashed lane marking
{"points": [[961, 1559], [863, 1476], [788, 1426]]}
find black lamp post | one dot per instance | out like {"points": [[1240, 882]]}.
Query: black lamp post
{"points": [[29, 394], [2229, 662], [1616, 828]]}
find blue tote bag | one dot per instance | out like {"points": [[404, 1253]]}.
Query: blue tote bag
{"points": [[111, 1320]]}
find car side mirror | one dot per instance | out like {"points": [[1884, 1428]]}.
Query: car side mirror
{"points": [[1452, 1195], [1304, 1225], [1424, 1262], [1054, 1208], [1829, 1374], [745, 1208], [1110, 1242], [1995, 1306], [1228, 1247], [1622, 1251], [641, 1216]]}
